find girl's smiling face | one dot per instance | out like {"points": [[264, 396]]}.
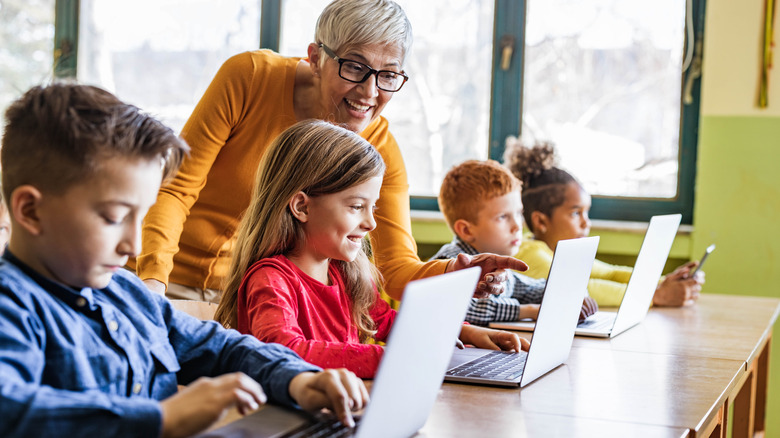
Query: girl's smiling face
{"points": [[338, 222]]}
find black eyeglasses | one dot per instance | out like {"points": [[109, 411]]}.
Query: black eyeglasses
{"points": [[358, 72]]}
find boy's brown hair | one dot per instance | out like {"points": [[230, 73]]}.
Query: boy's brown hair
{"points": [[60, 134], [468, 184]]}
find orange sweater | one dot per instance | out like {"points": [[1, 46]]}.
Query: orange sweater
{"points": [[189, 233]]}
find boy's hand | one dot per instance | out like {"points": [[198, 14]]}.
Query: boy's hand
{"points": [[336, 389], [205, 401], [482, 337], [677, 289], [493, 271], [528, 311], [589, 307]]}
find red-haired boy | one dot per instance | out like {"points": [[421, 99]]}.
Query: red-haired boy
{"points": [[481, 203]]}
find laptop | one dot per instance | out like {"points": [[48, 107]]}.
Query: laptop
{"points": [[641, 286], [409, 376], [558, 314]]}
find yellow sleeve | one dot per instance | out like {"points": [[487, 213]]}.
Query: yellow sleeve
{"points": [[605, 271], [206, 130], [606, 293], [538, 256], [395, 251], [607, 282]]}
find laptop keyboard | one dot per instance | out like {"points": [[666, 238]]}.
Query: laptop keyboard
{"points": [[496, 365], [603, 323], [324, 425]]}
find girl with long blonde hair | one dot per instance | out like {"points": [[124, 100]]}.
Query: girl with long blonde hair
{"points": [[300, 275]]}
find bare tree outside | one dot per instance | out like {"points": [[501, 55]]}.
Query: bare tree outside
{"points": [[601, 77], [162, 54], [602, 81], [26, 47]]}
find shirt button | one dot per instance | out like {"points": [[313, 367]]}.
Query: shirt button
{"points": [[137, 388], [81, 301], [113, 325]]}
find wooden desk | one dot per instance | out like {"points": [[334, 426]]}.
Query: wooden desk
{"points": [[718, 326], [520, 425], [675, 375], [651, 392]]}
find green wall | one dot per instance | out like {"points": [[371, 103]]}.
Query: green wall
{"points": [[737, 207]]}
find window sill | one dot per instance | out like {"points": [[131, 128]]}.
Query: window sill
{"points": [[617, 237]]}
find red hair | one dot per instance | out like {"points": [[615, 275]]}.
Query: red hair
{"points": [[468, 184]]}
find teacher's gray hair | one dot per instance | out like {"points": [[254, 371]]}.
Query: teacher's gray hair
{"points": [[345, 24]]}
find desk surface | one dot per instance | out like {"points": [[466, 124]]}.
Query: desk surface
{"points": [[520, 425], [660, 391], [667, 377], [718, 326]]}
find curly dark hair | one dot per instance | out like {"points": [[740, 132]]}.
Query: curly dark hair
{"points": [[544, 184]]}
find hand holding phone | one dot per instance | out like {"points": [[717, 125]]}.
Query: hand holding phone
{"points": [[707, 252]]}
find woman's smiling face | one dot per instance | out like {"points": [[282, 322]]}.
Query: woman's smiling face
{"points": [[349, 104]]}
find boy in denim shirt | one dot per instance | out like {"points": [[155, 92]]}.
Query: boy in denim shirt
{"points": [[85, 348]]}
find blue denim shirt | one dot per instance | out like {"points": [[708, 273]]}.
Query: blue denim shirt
{"points": [[94, 363]]}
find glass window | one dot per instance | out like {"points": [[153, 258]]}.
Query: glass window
{"points": [[442, 115], [161, 54], [26, 47], [602, 80]]}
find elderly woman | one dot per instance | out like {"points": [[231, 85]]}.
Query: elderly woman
{"points": [[352, 71]]}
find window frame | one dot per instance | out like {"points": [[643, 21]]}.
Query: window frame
{"points": [[505, 106], [506, 120], [510, 20], [66, 37]]}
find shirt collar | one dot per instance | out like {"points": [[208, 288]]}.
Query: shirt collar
{"points": [[468, 249], [78, 298]]}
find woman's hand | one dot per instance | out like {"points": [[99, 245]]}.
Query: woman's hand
{"points": [[493, 271]]}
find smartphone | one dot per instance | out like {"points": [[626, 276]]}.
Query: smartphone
{"points": [[707, 252]]}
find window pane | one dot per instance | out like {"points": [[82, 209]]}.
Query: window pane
{"points": [[441, 116], [26, 46], [161, 54], [602, 81]]}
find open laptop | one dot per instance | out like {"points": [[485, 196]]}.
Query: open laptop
{"points": [[558, 314], [408, 379], [641, 286]]}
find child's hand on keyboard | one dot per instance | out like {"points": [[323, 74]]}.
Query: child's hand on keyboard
{"points": [[336, 389], [528, 311], [482, 337], [589, 307], [206, 400]]}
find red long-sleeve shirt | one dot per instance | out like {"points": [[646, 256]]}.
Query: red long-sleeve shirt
{"points": [[277, 302]]}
